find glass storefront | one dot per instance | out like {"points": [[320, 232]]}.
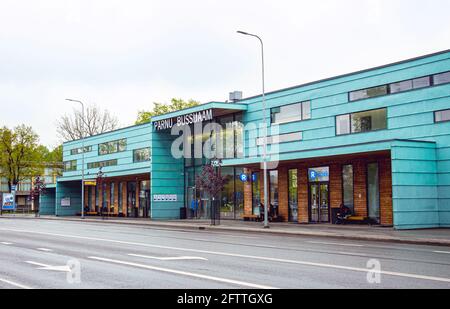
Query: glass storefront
{"points": [[373, 191], [144, 199], [273, 190], [293, 195], [347, 186]]}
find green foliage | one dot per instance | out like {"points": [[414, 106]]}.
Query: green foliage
{"points": [[161, 109], [20, 154]]}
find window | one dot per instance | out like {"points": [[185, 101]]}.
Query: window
{"points": [[343, 124], [373, 120], [102, 164], [120, 194], [256, 194], [442, 78], [111, 195], [368, 93], [373, 191], [141, 155], [112, 147], [347, 185], [293, 195], [442, 116], [291, 113], [273, 188], [70, 166], [401, 86], [80, 150], [421, 82]]}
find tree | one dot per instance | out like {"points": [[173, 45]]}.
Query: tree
{"points": [[70, 127], [212, 183], [161, 109], [20, 155]]}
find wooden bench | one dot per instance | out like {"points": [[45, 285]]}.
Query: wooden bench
{"points": [[251, 218], [357, 220]]}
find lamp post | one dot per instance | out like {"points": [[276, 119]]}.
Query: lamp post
{"points": [[82, 154], [266, 192]]}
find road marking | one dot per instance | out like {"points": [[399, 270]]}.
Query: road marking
{"points": [[17, 285], [64, 268], [6, 243], [334, 244], [179, 258], [44, 249], [443, 252], [447, 280], [184, 273], [353, 254]]}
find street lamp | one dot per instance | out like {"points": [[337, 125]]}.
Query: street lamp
{"points": [[266, 193], [82, 156]]}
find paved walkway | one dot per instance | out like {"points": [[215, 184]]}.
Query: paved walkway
{"points": [[438, 237]]}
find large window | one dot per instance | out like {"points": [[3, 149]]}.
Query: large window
{"points": [[102, 164], [347, 185], [410, 84], [293, 195], [256, 194], [442, 78], [291, 113], [273, 189], [77, 151], [111, 196], [70, 166], [361, 122], [112, 147], [368, 93], [120, 194], [141, 155], [373, 191], [441, 116]]}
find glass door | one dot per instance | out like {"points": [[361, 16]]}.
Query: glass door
{"points": [[319, 203]]}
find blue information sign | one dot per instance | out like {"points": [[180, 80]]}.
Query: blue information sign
{"points": [[8, 202], [243, 177]]}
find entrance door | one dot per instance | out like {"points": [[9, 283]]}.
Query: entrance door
{"points": [[319, 206]]}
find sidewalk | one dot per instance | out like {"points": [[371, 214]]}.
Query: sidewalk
{"points": [[436, 237]]}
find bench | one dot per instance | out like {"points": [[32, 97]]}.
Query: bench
{"points": [[357, 220], [251, 218]]}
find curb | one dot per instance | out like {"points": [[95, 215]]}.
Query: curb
{"points": [[153, 224]]}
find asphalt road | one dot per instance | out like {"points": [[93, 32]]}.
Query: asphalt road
{"points": [[48, 254]]}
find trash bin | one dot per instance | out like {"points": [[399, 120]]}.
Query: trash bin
{"points": [[183, 213]]}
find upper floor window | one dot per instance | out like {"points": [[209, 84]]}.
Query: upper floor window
{"points": [[290, 113], [368, 93], [442, 78], [112, 147], [102, 164], [80, 150], [441, 116], [410, 84], [361, 122], [70, 166], [141, 155]]}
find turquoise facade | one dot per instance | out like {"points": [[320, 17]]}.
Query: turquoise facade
{"points": [[419, 146]]}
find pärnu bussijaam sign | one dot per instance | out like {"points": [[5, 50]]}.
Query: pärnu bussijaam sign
{"points": [[192, 118]]}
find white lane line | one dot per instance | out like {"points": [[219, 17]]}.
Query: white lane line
{"points": [[6, 243], [353, 254], [63, 268], [334, 244], [179, 258], [184, 273], [17, 285], [230, 254], [44, 249], [442, 252]]}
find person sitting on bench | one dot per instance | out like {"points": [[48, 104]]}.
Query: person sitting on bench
{"points": [[343, 214]]}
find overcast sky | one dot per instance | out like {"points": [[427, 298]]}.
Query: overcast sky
{"points": [[125, 55]]}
